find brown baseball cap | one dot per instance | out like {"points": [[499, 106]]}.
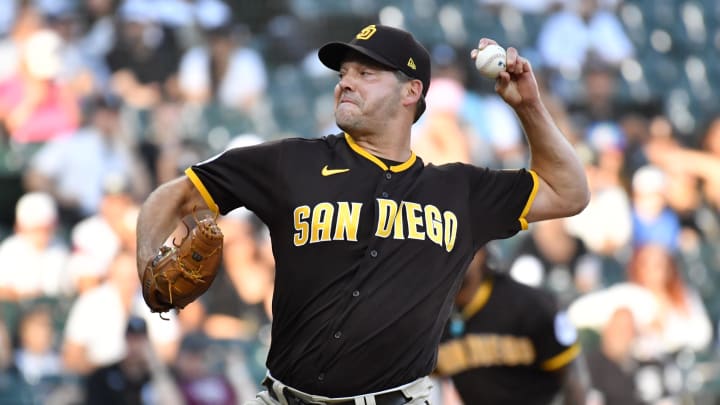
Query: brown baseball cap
{"points": [[391, 47]]}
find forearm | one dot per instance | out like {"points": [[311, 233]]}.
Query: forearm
{"points": [[553, 158], [576, 382], [159, 216], [697, 163]]}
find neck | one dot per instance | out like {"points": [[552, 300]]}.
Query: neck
{"points": [[467, 292], [386, 147]]}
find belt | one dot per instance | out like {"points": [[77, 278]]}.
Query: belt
{"points": [[386, 398]]}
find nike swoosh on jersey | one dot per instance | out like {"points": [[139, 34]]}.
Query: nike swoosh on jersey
{"points": [[329, 172]]}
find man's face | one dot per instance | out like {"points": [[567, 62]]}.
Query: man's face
{"points": [[366, 96]]}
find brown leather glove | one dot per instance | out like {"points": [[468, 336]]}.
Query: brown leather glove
{"points": [[179, 274]]}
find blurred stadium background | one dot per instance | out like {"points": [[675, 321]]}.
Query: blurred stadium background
{"points": [[102, 100]]}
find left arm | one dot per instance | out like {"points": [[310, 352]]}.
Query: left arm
{"points": [[576, 384], [562, 190]]}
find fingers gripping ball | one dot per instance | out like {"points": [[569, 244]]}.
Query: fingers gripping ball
{"points": [[179, 274], [491, 60]]}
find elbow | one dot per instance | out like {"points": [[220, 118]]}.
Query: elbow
{"points": [[580, 200]]}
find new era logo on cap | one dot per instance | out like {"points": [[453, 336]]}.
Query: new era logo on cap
{"points": [[392, 47]]}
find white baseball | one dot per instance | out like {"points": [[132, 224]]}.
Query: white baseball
{"points": [[491, 61]]}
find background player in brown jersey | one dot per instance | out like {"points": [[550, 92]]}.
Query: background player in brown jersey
{"points": [[371, 244], [508, 344]]}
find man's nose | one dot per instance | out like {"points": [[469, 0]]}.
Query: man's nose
{"points": [[347, 81]]}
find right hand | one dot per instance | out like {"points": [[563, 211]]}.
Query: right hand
{"points": [[517, 84]]}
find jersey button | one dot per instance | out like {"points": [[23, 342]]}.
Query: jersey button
{"points": [[388, 175], [338, 335], [373, 253], [385, 195], [321, 376], [356, 293]]}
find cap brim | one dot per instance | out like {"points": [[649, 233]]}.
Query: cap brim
{"points": [[333, 54]]}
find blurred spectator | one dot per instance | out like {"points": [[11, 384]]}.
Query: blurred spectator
{"points": [[670, 321], [226, 69], [199, 384], [635, 125], [144, 57], [463, 125], [34, 257], [237, 302], [94, 329], [6, 350], [25, 20], [443, 137], [138, 378], [653, 220], [596, 99], [691, 169], [99, 33], [95, 245], [76, 170], [8, 10], [582, 29], [551, 258], [670, 315], [36, 356], [78, 70], [612, 367], [13, 388], [34, 105], [710, 138], [682, 321], [605, 225]]}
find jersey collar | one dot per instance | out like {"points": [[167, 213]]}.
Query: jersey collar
{"points": [[369, 156], [479, 300]]}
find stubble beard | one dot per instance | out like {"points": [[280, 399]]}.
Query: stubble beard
{"points": [[348, 121], [356, 122]]}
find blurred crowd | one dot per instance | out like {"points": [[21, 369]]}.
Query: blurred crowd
{"points": [[102, 100]]}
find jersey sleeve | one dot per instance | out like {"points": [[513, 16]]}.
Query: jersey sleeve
{"points": [[554, 337], [499, 201], [240, 177]]}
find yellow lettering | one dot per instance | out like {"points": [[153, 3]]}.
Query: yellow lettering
{"points": [[451, 358], [300, 215], [526, 351], [413, 220], [478, 350], [387, 210], [484, 350], [398, 228], [347, 221], [322, 216], [433, 224], [450, 230], [508, 350]]}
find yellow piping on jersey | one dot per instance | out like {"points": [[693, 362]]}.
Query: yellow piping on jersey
{"points": [[562, 359], [478, 300], [369, 156], [203, 191], [528, 204]]}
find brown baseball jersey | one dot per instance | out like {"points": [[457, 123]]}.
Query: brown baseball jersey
{"points": [[369, 253]]}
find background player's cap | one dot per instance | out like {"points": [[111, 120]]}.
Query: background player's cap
{"points": [[392, 47]]}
